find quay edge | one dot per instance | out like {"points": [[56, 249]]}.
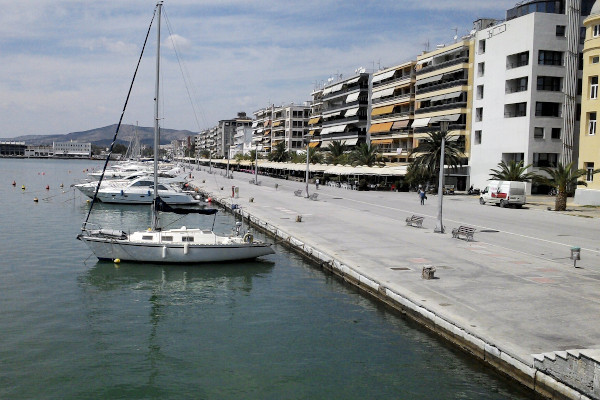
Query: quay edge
{"points": [[492, 355]]}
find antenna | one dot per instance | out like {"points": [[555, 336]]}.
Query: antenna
{"points": [[426, 44], [455, 29]]}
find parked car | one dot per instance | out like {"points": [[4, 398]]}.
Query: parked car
{"points": [[504, 193]]}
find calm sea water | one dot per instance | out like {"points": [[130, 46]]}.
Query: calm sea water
{"points": [[75, 328]]}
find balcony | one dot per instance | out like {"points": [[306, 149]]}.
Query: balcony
{"points": [[441, 107], [452, 127], [393, 115], [445, 64], [401, 97], [397, 80], [350, 120], [443, 85]]}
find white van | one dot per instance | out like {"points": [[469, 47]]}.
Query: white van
{"points": [[504, 193]]}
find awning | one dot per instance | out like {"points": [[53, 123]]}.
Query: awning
{"points": [[267, 132], [400, 124], [429, 80], [333, 129], [314, 120], [425, 60], [351, 81], [333, 114], [326, 91], [351, 112], [260, 130], [276, 123], [382, 141], [274, 142], [349, 142], [384, 127], [310, 133], [337, 88], [420, 122], [352, 97], [385, 75], [449, 118], [383, 93], [453, 95], [254, 124], [314, 144], [382, 110], [267, 123]]}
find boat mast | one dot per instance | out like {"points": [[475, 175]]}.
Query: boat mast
{"points": [[155, 221]]}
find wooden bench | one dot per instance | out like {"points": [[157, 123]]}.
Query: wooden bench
{"points": [[313, 196], [465, 231], [298, 192], [415, 220]]}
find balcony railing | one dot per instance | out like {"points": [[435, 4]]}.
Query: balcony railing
{"points": [[400, 79], [445, 64], [452, 127], [392, 115], [444, 85], [516, 89], [405, 96], [349, 120], [441, 107], [516, 64]]}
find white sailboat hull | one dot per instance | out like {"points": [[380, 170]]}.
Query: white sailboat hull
{"points": [[131, 197], [173, 246]]}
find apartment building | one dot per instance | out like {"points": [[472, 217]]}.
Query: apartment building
{"points": [[526, 83], [315, 123], [444, 81], [290, 125], [589, 141], [345, 111], [225, 133], [72, 149], [392, 111]]}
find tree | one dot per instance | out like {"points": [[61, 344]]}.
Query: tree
{"points": [[337, 152], [279, 153], [564, 178], [417, 175], [204, 153], [364, 155], [427, 153], [513, 171]]}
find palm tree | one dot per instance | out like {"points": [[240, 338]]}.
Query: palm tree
{"points": [[314, 156], [279, 153], [513, 171], [427, 153], [417, 176], [336, 152], [564, 178], [364, 155]]}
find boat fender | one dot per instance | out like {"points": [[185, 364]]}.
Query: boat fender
{"points": [[186, 248], [164, 252], [248, 238], [122, 193]]}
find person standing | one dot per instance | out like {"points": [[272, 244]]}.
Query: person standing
{"points": [[317, 183], [422, 196]]}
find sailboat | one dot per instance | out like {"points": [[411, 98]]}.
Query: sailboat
{"points": [[183, 245]]}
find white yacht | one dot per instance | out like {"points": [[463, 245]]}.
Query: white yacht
{"points": [[141, 191]]}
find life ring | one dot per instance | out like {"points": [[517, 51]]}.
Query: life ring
{"points": [[248, 238]]}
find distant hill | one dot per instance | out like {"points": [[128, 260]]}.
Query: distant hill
{"points": [[103, 136]]}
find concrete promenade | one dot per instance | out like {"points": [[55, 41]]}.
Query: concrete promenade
{"points": [[507, 297]]}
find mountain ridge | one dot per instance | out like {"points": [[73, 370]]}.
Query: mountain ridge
{"points": [[104, 136]]}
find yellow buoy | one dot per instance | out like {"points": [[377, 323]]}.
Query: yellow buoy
{"points": [[23, 187], [87, 201], [117, 260]]}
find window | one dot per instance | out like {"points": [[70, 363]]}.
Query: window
{"points": [[480, 92], [560, 30], [596, 30], [593, 87], [478, 114], [477, 137], [582, 35], [167, 238], [548, 57], [187, 238], [538, 133], [592, 123], [480, 69], [550, 83], [482, 46], [547, 109], [517, 60], [589, 171], [515, 110], [595, 60], [545, 159], [517, 85], [555, 133]]}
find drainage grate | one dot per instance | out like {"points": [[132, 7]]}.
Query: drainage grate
{"points": [[400, 269]]}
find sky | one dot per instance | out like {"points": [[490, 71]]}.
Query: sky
{"points": [[66, 65]]}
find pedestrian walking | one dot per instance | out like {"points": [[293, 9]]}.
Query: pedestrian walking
{"points": [[317, 183], [422, 196]]}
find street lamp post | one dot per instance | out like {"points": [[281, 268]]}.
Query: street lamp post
{"points": [[307, 168], [439, 226], [256, 164]]}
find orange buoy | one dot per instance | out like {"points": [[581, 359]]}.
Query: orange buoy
{"points": [[209, 199]]}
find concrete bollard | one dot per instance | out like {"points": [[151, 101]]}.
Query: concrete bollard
{"points": [[298, 218], [428, 272]]}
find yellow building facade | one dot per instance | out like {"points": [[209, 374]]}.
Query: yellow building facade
{"points": [[589, 135]]}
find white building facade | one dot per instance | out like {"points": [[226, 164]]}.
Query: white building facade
{"points": [[520, 79], [72, 149]]}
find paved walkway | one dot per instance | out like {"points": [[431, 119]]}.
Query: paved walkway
{"points": [[501, 291]]}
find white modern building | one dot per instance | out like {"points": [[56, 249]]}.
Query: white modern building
{"points": [[526, 87], [242, 141], [72, 149]]}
